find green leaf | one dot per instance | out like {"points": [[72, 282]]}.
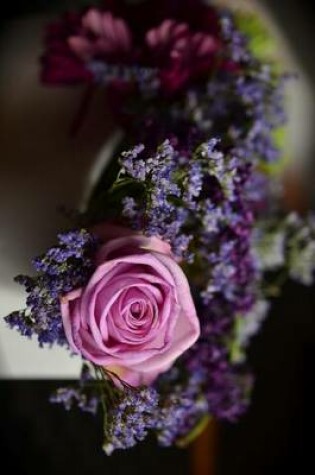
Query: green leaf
{"points": [[275, 169], [261, 43], [194, 433]]}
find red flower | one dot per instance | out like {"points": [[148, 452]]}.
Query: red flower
{"points": [[102, 36], [60, 65], [179, 39], [179, 53]]}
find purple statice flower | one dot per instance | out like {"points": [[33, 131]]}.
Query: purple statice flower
{"points": [[233, 274], [217, 208], [228, 394], [206, 382], [131, 418], [226, 385], [21, 322], [222, 168], [85, 395], [213, 217], [71, 397], [243, 106], [198, 204], [63, 268], [235, 41], [256, 190], [157, 214], [146, 78], [181, 409], [130, 208], [224, 231], [262, 99], [194, 183], [133, 164]]}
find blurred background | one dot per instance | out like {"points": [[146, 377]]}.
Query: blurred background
{"points": [[37, 175]]}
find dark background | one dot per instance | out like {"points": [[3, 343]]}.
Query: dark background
{"points": [[275, 435]]}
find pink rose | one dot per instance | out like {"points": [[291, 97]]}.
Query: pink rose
{"points": [[136, 314]]}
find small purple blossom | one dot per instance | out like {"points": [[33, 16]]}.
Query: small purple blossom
{"points": [[236, 41], [159, 216], [63, 268], [180, 411], [105, 74], [70, 397], [130, 420]]}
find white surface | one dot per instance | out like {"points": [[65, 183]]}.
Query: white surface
{"points": [[41, 168], [21, 357]]}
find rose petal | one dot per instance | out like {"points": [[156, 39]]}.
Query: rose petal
{"points": [[187, 328], [101, 321]]}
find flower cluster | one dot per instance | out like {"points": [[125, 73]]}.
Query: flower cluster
{"points": [[131, 419], [199, 204], [163, 291], [82, 48], [160, 216], [201, 60], [63, 268]]}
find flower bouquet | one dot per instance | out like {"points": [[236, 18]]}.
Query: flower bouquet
{"points": [[162, 280]]}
